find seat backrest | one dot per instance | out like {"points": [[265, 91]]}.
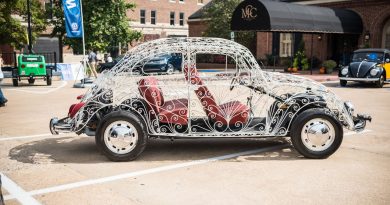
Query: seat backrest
{"points": [[209, 105], [194, 75], [149, 90]]}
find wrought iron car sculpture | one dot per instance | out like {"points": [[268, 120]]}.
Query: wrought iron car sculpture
{"points": [[124, 110], [368, 65]]}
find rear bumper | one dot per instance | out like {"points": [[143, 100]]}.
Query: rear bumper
{"points": [[359, 79], [60, 126]]}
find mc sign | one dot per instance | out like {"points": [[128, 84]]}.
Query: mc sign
{"points": [[249, 13]]}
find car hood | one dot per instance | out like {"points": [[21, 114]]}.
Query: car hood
{"points": [[360, 69]]}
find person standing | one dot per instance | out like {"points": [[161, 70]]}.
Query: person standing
{"points": [[3, 100], [92, 59]]}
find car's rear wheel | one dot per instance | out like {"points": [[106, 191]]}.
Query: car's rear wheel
{"points": [[121, 136], [380, 82], [316, 134], [48, 80], [343, 83], [15, 82]]}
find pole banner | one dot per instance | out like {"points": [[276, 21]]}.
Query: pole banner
{"points": [[72, 14]]}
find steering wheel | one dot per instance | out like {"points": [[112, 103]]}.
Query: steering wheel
{"points": [[233, 83]]}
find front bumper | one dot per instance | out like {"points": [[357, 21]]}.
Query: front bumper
{"points": [[359, 122], [60, 126], [359, 79]]}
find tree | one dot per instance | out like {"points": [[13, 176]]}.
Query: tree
{"points": [[12, 12], [105, 25], [218, 15]]}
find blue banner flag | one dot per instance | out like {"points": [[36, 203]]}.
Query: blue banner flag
{"points": [[72, 18]]}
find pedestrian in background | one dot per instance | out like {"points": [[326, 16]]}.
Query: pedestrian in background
{"points": [[3, 100], [92, 59]]}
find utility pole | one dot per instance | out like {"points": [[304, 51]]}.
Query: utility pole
{"points": [[29, 27]]}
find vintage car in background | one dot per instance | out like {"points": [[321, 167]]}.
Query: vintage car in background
{"points": [[166, 63], [123, 111], [31, 67], [367, 65]]}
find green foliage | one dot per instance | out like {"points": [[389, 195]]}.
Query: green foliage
{"points": [[300, 59], [329, 64], [105, 25], [218, 16], [12, 31]]}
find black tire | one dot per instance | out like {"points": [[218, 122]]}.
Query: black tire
{"points": [[343, 83], [299, 124], [15, 82], [48, 80], [170, 69], [31, 81], [130, 118], [380, 82]]}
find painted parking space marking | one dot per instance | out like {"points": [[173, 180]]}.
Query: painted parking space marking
{"points": [[145, 172], [30, 137], [357, 133], [17, 192], [33, 89]]}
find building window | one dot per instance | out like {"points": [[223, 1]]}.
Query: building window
{"points": [[285, 44], [153, 17], [142, 16], [200, 1], [172, 18], [181, 19]]}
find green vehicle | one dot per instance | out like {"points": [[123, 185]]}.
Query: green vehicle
{"points": [[31, 67]]}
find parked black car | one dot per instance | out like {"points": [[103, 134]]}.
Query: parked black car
{"points": [[167, 63], [367, 65]]}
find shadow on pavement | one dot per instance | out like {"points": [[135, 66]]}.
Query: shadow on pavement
{"points": [[83, 150]]}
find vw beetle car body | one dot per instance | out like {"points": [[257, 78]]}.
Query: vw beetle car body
{"points": [[368, 65], [124, 110]]}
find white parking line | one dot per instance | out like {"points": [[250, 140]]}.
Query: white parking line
{"points": [[144, 172], [63, 84], [357, 133], [28, 137], [16, 192]]}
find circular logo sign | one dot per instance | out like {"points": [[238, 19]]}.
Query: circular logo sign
{"points": [[75, 27]]}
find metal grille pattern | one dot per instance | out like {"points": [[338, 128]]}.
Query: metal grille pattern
{"points": [[255, 103]]}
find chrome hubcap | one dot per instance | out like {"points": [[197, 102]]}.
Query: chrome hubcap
{"points": [[120, 137], [318, 134], [170, 69]]}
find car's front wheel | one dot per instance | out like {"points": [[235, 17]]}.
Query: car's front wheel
{"points": [[121, 136], [380, 82], [316, 134], [170, 69], [343, 83]]}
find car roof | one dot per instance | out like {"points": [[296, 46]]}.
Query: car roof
{"points": [[373, 50]]}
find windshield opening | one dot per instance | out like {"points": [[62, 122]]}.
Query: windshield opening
{"points": [[367, 56]]}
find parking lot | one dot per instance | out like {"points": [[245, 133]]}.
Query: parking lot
{"points": [[40, 168]]}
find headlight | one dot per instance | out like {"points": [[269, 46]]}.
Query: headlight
{"points": [[374, 72], [344, 71], [350, 108]]}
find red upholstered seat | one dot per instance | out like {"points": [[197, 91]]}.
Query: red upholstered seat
{"points": [[230, 113], [171, 111]]}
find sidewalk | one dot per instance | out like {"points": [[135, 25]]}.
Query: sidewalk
{"points": [[319, 77]]}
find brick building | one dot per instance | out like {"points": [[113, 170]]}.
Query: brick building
{"points": [[374, 15], [163, 18]]}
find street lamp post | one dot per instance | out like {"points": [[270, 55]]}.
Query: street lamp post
{"points": [[29, 27]]}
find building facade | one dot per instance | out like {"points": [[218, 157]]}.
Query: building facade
{"points": [[163, 18], [375, 15]]}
